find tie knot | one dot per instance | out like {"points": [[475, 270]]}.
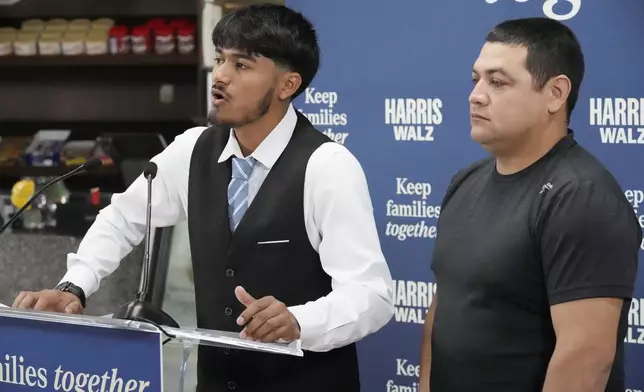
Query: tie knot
{"points": [[243, 167]]}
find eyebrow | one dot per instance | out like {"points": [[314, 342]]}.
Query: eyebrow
{"points": [[492, 71], [239, 55]]}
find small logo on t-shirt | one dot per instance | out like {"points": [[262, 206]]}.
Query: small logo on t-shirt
{"points": [[546, 187]]}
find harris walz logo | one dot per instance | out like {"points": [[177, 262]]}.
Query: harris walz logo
{"points": [[619, 120]]}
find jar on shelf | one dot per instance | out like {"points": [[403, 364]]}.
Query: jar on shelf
{"points": [[140, 40], [164, 40], [73, 43], [186, 39], [156, 23], [49, 43], [6, 43], [8, 30], [103, 24], [119, 40], [7, 36], [83, 25], [33, 25], [96, 43], [56, 25], [25, 44], [176, 24]]}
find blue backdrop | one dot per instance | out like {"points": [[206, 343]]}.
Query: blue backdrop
{"points": [[397, 75]]}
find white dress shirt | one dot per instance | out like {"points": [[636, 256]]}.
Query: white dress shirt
{"points": [[338, 218]]}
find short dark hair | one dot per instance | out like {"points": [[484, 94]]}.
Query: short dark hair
{"points": [[275, 32], [553, 49]]}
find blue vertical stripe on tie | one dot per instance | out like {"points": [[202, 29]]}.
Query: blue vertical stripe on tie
{"points": [[238, 189]]}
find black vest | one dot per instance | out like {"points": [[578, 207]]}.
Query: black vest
{"points": [[291, 272]]}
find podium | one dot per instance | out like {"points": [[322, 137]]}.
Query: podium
{"points": [[42, 351]]}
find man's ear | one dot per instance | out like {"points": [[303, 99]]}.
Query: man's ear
{"points": [[559, 89], [291, 82]]}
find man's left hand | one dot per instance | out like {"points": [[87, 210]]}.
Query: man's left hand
{"points": [[266, 319]]}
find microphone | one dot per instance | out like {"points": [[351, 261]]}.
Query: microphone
{"points": [[141, 309], [91, 164]]}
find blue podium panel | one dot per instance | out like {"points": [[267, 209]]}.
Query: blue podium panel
{"points": [[393, 87], [49, 355]]}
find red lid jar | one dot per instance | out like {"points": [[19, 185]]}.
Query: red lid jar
{"points": [[156, 23], [176, 24], [119, 40], [141, 40], [186, 39], [164, 40]]}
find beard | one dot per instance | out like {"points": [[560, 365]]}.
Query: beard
{"points": [[260, 110]]}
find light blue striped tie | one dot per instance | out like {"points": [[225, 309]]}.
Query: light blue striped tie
{"points": [[238, 189]]}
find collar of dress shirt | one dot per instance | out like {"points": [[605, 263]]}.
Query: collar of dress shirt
{"points": [[271, 147]]}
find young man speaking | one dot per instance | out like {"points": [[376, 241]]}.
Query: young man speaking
{"points": [[282, 234], [537, 246]]}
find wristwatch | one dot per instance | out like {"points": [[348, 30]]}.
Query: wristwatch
{"points": [[69, 287]]}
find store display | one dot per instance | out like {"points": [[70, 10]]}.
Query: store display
{"points": [[119, 42], [28, 162], [49, 43], [96, 43], [164, 40], [33, 25], [53, 148], [12, 149], [186, 39], [25, 44], [99, 37], [77, 152], [102, 24], [73, 43], [83, 25], [22, 191], [140, 39], [45, 148], [6, 43], [57, 25]]}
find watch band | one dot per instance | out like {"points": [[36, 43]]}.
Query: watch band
{"points": [[69, 287]]}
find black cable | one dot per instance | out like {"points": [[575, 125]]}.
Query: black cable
{"points": [[166, 333]]}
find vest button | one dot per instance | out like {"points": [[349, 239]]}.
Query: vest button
{"points": [[228, 311], [226, 351], [230, 273], [232, 385]]}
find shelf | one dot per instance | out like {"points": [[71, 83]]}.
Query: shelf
{"points": [[132, 60], [98, 8], [34, 171]]}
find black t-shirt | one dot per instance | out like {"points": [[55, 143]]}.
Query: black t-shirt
{"points": [[509, 247]]}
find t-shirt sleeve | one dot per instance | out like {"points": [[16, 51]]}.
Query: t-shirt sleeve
{"points": [[589, 242]]}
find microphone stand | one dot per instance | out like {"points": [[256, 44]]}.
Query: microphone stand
{"points": [[144, 286], [141, 309]]}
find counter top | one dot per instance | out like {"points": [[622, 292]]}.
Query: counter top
{"points": [[37, 261]]}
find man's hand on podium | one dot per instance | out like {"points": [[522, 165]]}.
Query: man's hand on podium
{"points": [[49, 300], [266, 319]]}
